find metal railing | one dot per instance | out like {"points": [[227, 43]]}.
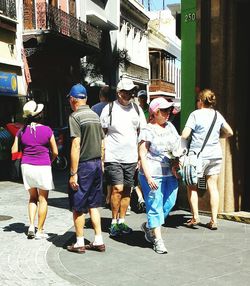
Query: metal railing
{"points": [[8, 8], [46, 17]]}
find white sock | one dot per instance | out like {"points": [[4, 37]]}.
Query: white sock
{"points": [[79, 241], [121, 220], [98, 240], [114, 221]]}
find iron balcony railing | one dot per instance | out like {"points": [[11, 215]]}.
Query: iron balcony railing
{"points": [[8, 8], [46, 17]]}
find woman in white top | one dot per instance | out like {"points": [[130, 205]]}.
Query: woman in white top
{"points": [[158, 143], [197, 125]]}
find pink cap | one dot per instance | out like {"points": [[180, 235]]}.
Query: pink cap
{"points": [[159, 103]]}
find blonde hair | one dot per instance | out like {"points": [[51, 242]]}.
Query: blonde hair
{"points": [[208, 97]]}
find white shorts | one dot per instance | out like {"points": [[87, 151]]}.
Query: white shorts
{"points": [[211, 167], [37, 177]]}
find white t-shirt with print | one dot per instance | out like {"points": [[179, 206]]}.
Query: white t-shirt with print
{"points": [[121, 140], [162, 144], [200, 121]]}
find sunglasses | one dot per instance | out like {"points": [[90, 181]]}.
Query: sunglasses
{"points": [[128, 91], [166, 110]]}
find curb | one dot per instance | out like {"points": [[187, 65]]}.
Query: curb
{"points": [[235, 218], [227, 216]]}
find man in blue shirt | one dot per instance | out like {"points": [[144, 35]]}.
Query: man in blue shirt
{"points": [[104, 97]]}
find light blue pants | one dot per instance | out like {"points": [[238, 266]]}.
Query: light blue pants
{"points": [[159, 202]]}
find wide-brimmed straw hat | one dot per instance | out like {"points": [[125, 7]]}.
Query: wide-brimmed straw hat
{"points": [[32, 109]]}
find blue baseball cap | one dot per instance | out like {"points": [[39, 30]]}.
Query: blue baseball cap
{"points": [[142, 93], [78, 91]]}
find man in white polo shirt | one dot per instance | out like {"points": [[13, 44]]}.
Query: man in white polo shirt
{"points": [[121, 122]]}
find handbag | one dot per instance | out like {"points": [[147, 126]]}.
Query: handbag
{"points": [[16, 159], [192, 162]]}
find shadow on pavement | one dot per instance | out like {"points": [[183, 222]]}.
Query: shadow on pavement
{"points": [[176, 220], [17, 227], [63, 240], [62, 203], [136, 238], [105, 222], [20, 228]]}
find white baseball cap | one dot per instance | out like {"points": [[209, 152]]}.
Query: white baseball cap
{"points": [[125, 84]]}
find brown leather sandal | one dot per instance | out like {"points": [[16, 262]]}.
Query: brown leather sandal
{"points": [[193, 222]]}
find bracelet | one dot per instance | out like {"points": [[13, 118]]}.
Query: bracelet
{"points": [[73, 173]]}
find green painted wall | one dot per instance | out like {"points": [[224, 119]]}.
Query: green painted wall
{"points": [[188, 58]]}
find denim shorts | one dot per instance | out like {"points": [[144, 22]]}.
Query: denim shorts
{"points": [[120, 173], [89, 193]]}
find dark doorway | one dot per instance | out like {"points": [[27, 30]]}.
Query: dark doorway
{"points": [[242, 63]]}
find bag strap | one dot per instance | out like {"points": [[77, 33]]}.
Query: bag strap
{"points": [[208, 133]]}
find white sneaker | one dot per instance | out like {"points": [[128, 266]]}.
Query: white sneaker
{"points": [[149, 235], [31, 232], [41, 235], [159, 247], [128, 212]]}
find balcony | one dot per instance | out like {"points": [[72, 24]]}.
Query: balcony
{"points": [[8, 8], [161, 87], [44, 17]]}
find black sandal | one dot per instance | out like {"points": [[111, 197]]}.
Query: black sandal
{"points": [[211, 225]]}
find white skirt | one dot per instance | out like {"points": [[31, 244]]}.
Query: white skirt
{"points": [[37, 177]]}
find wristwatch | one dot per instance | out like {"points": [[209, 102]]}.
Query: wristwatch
{"points": [[73, 173]]}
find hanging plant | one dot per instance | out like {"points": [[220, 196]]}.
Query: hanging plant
{"points": [[121, 58]]}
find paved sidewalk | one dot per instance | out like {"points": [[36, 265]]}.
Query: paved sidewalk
{"points": [[23, 261], [195, 256]]}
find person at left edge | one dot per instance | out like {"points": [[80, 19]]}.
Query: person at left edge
{"points": [[85, 182]]}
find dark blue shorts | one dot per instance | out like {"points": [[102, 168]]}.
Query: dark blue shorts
{"points": [[89, 193]]}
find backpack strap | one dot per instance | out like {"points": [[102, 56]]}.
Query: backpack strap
{"points": [[110, 111], [136, 108]]}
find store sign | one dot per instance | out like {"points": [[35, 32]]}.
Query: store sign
{"points": [[8, 83]]}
